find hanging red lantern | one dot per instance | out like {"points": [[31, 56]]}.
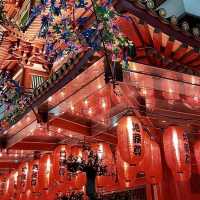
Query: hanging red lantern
{"points": [[104, 153], [59, 155], [45, 171], [12, 185], [154, 169], [4, 181], [33, 176], [177, 152], [197, 155], [23, 177], [130, 135], [126, 173], [153, 163], [142, 165], [26, 196], [78, 179], [170, 91]]}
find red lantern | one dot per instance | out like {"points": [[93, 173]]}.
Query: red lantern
{"points": [[170, 91], [126, 173], [12, 185], [23, 177], [104, 152], [153, 163], [26, 196], [59, 156], [130, 139], [45, 171], [177, 152], [197, 155], [4, 181], [33, 176], [77, 180]]}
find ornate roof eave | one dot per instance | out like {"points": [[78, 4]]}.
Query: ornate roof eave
{"points": [[58, 80], [154, 19]]}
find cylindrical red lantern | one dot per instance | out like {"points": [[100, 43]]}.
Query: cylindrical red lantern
{"points": [[197, 155], [126, 173], [23, 177], [4, 183], [154, 169], [12, 185], [130, 139], [26, 196], [104, 153], [59, 155], [78, 179], [45, 171], [177, 152], [152, 161], [33, 176]]}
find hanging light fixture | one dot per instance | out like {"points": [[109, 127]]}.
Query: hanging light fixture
{"points": [[177, 152], [130, 135]]}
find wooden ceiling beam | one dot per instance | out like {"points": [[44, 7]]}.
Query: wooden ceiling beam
{"points": [[83, 130], [8, 165], [107, 138], [71, 126], [191, 56], [180, 52], [37, 146], [134, 23], [144, 31], [197, 59], [157, 39], [196, 63], [125, 6], [169, 47]]}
